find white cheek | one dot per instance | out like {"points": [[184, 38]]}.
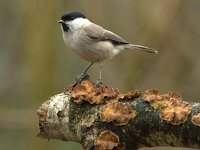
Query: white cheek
{"points": [[77, 23]]}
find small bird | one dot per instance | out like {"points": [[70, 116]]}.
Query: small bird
{"points": [[92, 42]]}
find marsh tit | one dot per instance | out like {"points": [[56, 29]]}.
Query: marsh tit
{"points": [[92, 42]]}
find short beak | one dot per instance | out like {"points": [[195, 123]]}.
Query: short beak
{"points": [[61, 21]]}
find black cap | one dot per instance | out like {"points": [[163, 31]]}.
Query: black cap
{"points": [[72, 15]]}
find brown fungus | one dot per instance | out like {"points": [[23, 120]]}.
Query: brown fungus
{"points": [[174, 95], [130, 95], [87, 91], [118, 113], [151, 95], [154, 98], [106, 140], [171, 106], [176, 112], [196, 119]]}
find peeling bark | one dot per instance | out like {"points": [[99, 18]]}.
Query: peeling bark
{"points": [[60, 117]]}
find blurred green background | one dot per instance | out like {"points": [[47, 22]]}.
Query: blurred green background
{"points": [[35, 63]]}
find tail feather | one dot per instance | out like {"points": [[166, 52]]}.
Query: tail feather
{"points": [[143, 48]]}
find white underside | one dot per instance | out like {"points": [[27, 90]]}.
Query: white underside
{"points": [[91, 51]]}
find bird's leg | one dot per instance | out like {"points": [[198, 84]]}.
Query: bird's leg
{"points": [[99, 80], [83, 75]]}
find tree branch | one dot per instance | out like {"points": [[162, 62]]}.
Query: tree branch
{"points": [[102, 118]]}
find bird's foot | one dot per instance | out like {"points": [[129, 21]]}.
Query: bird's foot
{"points": [[82, 77], [98, 83]]}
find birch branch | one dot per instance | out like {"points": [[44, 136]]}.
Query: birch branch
{"points": [[103, 118]]}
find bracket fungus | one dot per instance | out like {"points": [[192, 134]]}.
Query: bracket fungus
{"points": [[176, 112], [130, 95], [171, 107], [106, 140], [88, 91], [151, 95], [118, 113], [196, 119]]}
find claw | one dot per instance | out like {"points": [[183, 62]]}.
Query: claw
{"points": [[83, 76], [98, 83]]}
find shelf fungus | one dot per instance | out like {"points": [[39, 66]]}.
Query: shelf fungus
{"points": [[130, 95], [196, 119], [118, 113], [106, 140], [151, 96], [171, 107], [87, 91]]}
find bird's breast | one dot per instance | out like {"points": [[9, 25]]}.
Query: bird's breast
{"points": [[90, 50]]}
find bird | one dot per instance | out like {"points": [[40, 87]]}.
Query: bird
{"points": [[92, 42]]}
